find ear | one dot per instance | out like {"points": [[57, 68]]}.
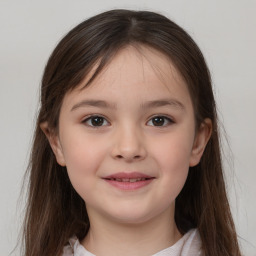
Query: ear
{"points": [[54, 142], [201, 139]]}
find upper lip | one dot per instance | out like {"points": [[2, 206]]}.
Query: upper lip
{"points": [[127, 175]]}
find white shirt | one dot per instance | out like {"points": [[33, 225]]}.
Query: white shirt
{"points": [[188, 245]]}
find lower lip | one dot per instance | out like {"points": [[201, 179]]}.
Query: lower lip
{"points": [[129, 185]]}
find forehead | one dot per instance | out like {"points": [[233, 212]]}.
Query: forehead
{"points": [[137, 71]]}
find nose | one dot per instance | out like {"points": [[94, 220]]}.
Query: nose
{"points": [[129, 145]]}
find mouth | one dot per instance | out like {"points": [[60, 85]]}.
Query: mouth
{"points": [[129, 181]]}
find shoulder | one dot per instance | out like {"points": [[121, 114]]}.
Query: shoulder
{"points": [[74, 248], [68, 250], [189, 245], [192, 244]]}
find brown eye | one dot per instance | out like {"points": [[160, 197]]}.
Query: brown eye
{"points": [[95, 121], [159, 121]]}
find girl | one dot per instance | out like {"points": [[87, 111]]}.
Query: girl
{"points": [[126, 156]]}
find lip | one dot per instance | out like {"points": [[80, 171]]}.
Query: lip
{"points": [[127, 175], [136, 180]]}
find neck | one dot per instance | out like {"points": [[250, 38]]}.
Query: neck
{"points": [[108, 237]]}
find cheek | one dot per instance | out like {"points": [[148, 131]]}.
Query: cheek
{"points": [[83, 158], [173, 157], [82, 150], [173, 151]]}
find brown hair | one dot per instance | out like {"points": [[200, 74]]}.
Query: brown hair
{"points": [[55, 212]]}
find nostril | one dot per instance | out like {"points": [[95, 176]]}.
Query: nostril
{"points": [[134, 157]]}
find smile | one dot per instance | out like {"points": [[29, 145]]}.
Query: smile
{"points": [[129, 181]]}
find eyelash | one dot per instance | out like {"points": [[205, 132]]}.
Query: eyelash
{"points": [[167, 121], [90, 118]]}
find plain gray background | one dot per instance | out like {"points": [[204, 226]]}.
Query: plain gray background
{"points": [[225, 30]]}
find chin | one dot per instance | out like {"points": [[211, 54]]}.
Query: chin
{"points": [[132, 216]]}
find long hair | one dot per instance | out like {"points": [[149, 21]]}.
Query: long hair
{"points": [[55, 212]]}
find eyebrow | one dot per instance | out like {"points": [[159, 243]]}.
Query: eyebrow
{"points": [[162, 103], [93, 103], [149, 104]]}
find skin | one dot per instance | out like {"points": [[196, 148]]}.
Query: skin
{"points": [[140, 221]]}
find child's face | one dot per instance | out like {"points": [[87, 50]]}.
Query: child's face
{"points": [[129, 138]]}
